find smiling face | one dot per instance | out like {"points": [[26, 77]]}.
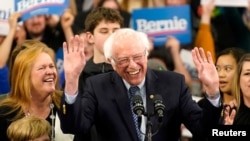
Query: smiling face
{"points": [[43, 75], [129, 58], [226, 66]]}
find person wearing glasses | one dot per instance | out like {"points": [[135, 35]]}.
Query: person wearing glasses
{"points": [[105, 101], [99, 25]]}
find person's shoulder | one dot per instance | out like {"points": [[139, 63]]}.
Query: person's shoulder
{"points": [[94, 69], [104, 75], [166, 73], [5, 111], [101, 78], [165, 78], [3, 96]]}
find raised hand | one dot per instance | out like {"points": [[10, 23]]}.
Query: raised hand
{"points": [[248, 7], [207, 10], [173, 44], [67, 19], [74, 62], [13, 20], [207, 72]]}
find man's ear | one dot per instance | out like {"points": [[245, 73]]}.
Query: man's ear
{"points": [[90, 38]]}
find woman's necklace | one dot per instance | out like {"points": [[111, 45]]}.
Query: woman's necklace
{"points": [[52, 117]]}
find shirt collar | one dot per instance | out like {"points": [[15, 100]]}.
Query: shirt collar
{"points": [[127, 85]]}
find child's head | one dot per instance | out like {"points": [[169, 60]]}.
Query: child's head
{"points": [[28, 129]]}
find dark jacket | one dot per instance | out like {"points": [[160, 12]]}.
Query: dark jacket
{"points": [[90, 69], [6, 120], [105, 103]]}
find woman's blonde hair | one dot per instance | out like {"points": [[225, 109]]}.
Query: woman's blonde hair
{"points": [[236, 82], [28, 128]]}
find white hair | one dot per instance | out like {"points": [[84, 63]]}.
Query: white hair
{"points": [[124, 35]]}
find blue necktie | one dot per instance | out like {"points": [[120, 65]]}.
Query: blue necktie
{"points": [[132, 92]]}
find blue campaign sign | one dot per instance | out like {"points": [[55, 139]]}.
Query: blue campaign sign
{"points": [[30, 8], [159, 23]]}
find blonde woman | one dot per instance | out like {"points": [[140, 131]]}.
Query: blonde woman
{"points": [[34, 81], [238, 113]]}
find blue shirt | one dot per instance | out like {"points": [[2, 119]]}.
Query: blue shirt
{"points": [[4, 80]]}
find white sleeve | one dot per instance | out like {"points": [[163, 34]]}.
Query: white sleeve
{"points": [[70, 99]]}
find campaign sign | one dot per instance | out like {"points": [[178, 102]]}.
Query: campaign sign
{"points": [[6, 9], [159, 23], [30, 8]]}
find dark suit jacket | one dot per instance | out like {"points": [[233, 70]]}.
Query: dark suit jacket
{"points": [[105, 102]]}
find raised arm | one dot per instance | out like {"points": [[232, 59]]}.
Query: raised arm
{"points": [[174, 45], [6, 45], [207, 72], [67, 20], [204, 36], [74, 62]]}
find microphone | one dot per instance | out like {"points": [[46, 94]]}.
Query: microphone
{"points": [[137, 103], [159, 107], [138, 108]]}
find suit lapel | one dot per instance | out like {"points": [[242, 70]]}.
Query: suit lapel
{"points": [[122, 101], [152, 90]]}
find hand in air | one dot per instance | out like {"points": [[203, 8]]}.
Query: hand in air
{"points": [[207, 72], [74, 58]]}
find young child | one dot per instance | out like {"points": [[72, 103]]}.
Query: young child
{"points": [[29, 129]]}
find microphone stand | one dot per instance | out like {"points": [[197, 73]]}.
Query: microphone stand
{"points": [[138, 109], [149, 134], [149, 130]]}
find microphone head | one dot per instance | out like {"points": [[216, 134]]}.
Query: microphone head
{"points": [[137, 104], [159, 107]]}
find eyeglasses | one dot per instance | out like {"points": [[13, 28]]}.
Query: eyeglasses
{"points": [[123, 62]]}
